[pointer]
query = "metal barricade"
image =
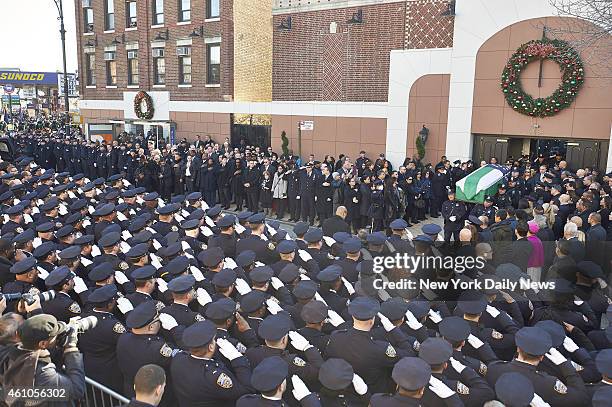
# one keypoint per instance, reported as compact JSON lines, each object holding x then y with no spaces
{"x":98,"y":395}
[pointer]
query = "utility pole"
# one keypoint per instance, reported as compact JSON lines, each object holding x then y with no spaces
{"x":60,"y":10}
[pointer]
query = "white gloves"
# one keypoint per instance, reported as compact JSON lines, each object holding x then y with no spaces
{"x":458,"y":366}
{"x":242,"y":286}
{"x":196,"y":273}
{"x":388,"y":325}
{"x":120,"y":277}
{"x":167,"y":321}
{"x":203,"y":297}
{"x":334,"y":319}
{"x":79,"y":285}
{"x":412,"y":322}
{"x":304,"y":255}
{"x":360,"y":386}
{"x":162,"y":286}
{"x":438,"y":387}
{"x":276,"y":283}
{"x":300,"y":390}
{"x":452,"y":218}
{"x":494,"y":312}
{"x":229,"y":263}
{"x":555,"y":356}
{"x":349,"y":287}
{"x":227,"y":349}
{"x":299,"y":342}
{"x":273,"y":306}
{"x":124,"y":305}
{"x":474,"y":341}
{"x":538,"y":402}
{"x":570,"y":345}
{"x":435,"y":316}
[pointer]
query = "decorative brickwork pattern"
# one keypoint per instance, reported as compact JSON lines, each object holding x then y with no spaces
{"x":426,"y":27}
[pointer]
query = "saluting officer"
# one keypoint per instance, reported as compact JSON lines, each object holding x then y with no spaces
{"x":62,"y":307}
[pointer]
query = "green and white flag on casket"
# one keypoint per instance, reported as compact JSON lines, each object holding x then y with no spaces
{"x":480,"y":183}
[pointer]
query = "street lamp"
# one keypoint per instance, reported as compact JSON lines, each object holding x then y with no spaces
{"x":60,"y":10}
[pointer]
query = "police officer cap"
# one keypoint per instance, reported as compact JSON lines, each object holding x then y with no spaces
{"x":474,"y":220}
{"x":199,"y":334}
{"x":64,"y":231}
{"x":376,"y":238}
{"x":140,"y":190}
{"x":194,"y":196}
{"x":141,"y":237}
{"x":336,"y":374}
{"x":341,"y":237}
{"x":533,"y":340}
{"x":87,"y":187}
{"x":435,"y":351}
{"x":514,"y":390}
{"x":274,"y":224}
{"x":24,"y":236}
{"x":224,"y":278}
{"x":252,"y":301}
{"x":256,"y":218}
{"x":394,"y":308}
{"x":129,"y":193}
{"x":137,"y":224}
{"x":168,"y":209}
{"x":101,"y":272}
{"x":104,"y":210}
{"x":431,"y":229}
{"x":85,"y":239}
{"x":300,"y":228}
{"x":556,"y":331}
{"x":44,"y":249}
{"x":112,"y":194}
{"x":14,"y":210}
{"x":226,"y":221}
{"x":177,"y":199}
{"x":269,"y":374}
{"x":363,"y":308}
{"x":274,"y":327}
{"x":563,"y":287}
{"x":314,"y":235}
{"x":142,"y":315}
{"x":190,"y":224}
{"x":39,"y":328}
{"x":472,"y":302}
{"x":23,"y":266}
{"x":122,"y":207}
{"x":244,"y":216}
{"x":182,"y":284}
{"x":103,"y":294}
{"x":314,"y":312}
{"x":112,"y":228}
{"x":511,"y":272}
{"x":45,"y":227}
{"x":115,"y":177}
{"x":411,"y":373}
{"x":73,"y":218}
{"x":455,"y":329}
{"x":170,"y":250}
{"x":261,"y":274}
{"x":489,"y":198}
{"x":47,"y":175}
{"x":398,"y":224}
{"x":590,"y":269}
{"x":423,"y":239}
{"x":71,"y":252}
{"x":58,"y":276}
{"x":178,"y":265}
{"x":197,"y":214}
{"x":137,"y":251}
{"x":352,"y":245}
{"x":144,"y":273}
{"x":279,"y":236}
{"x":603,"y":361}
{"x":98,"y":181}
{"x":601,"y":397}
{"x":289,"y":273}
{"x":330,"y":273}
{"x":221,"y":309}
{"x":305,"y":290}
{"x":286,"y":247}
{"x":47,"y":206}
{"x":151,"y":196}
{"x":245,"y":258}
{"x":214,"y":211}
{"x":211,"y":256}
{"x":109,"y":239}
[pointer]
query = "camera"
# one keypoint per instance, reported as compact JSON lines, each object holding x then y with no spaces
{"x":76,"y":326}
{"x":30,"y":298}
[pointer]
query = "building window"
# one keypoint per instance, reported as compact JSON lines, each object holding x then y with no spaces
{"x":109,"y":16}
{"x":159,"y":66}
{"x":111,"y":73}
{"x":88,"y":20}
{"x":158,"y":12}
{"x":90,"y":69}
{"x":213,"y":64}
{"x":130,"y":14}
{"x":184,"y":10}
{"x":133,"y":77}
{"x":212,"y":9}
{"x":184,"y":54}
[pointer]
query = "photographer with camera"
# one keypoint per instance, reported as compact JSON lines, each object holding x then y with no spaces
{"x":30,"y":366}
{"x":25,"y":273}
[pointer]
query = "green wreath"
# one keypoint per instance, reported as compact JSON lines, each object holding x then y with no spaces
{"x":140,"y":97}
{"x":572,"y":77}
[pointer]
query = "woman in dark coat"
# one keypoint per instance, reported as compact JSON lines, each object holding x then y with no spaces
{"x":365,"y":190}
{"x":392,"y":201}
{"x":352,"y":203}
{"x":208,"y":182}
{"x":376,"y":212}
{"x":167,"y":179}
{"x":265,"y":193}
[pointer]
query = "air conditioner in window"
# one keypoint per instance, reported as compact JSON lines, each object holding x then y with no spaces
{"x":109,"y":56}
{"x":183,"y":51}
{"x":86,"y":3}
{"x":157,"y":52}
{"x":132,"y":54}
{"x":133,"y":24}
{"x":90,"y":28}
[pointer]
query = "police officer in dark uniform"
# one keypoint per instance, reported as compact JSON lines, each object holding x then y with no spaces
{"x":62,"y":307}
{"x":306,"y":193}
{"x":502,"y":199}
{"x":453,"y":213}
{"x":314,"y":314}
{"x":226,"y":239}
{"x":398,"y":229}
{"x":323,"y":194}
{"x":25,"y":273}
{"x":485,"y":209}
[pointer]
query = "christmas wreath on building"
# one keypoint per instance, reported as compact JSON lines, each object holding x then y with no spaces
{"x":572,"y":77}
{"x":148,"y":102}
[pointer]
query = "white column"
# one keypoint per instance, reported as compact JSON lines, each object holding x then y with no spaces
{"x":609,"y":163}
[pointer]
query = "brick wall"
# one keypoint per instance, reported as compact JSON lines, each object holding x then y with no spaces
{"x":426,"y":27}
{"x":144,"y":35}
{"x":310,"y":63}
{"x":190,"y":124}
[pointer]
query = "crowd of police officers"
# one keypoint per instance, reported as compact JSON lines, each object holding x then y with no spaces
{"x":238,"y":311}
